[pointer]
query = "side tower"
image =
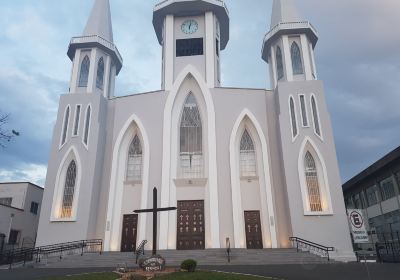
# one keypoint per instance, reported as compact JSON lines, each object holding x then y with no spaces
{"x":310,"y":167}
{"x":75,"y":165}
{"x":191,"y":32}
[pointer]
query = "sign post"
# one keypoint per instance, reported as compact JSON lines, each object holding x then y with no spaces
{"x":357,"y":224}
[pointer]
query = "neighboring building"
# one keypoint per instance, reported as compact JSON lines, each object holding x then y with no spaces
{"x":254,"y":165}
{"x":376,"y":190}
{"x":19,"y":214}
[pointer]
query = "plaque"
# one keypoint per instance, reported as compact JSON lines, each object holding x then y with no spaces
{"x":153,"y":263}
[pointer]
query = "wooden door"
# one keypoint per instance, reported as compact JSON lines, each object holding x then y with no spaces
{"x":190,"y":225}
{"x":129,"y":233}
{"x":253,"y":230}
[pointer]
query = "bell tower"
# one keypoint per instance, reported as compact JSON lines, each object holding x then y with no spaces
{"x":191,"y":32}
{"x":96,"y":61}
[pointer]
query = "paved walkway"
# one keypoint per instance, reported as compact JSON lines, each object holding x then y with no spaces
{"x":336,"y":271}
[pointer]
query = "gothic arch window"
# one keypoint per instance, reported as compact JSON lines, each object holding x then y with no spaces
{"x":135,"y":160}
{"x":297,"y":63}
{"x":100,"y":74}
{"x":312,"y":181}
{"x":191,"y":140}
{"x":65,"y":126}
{"x":87,"y":125}
{"x":84,"y":73}
{"x":293,"y":119}
{"x":279,"y":63}
{"x":69,"y":190}
{"x":315,"y":115}
{"x":248,"y":162}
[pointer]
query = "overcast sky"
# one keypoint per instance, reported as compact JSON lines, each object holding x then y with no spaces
{"x":357,"y":57}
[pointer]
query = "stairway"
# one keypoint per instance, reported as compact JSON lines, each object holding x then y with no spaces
{"x":174,"y":258}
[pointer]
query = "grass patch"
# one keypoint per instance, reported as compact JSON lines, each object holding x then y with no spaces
{"x":207,"y":275}
{"x":89,"y":276}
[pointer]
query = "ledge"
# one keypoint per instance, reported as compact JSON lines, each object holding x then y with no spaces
{"x":195,"y":182}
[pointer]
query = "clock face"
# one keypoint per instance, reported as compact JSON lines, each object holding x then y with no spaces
{"x":190,"y":26}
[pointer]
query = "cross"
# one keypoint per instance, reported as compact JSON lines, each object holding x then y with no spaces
{"x":154,"y":210}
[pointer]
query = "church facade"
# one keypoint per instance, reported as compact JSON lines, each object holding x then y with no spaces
{"x":256,"y":166}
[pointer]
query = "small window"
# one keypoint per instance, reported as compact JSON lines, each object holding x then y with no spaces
{"x":372,"y":195}
{"x":65,"y":127}
{"x":77,"y":118}
{"x":14,"y":237}
{"x":217,"y":47}
{"x":134,"y":165}
{"x":304,"y":116}
{"x":293,"y":119}
{"x":279,"y":63}
{"x":34,"y":207}
{"x":7,"y":201}
{"x":84,"y":73}
{"x":297,"y":63}
{"x":87,"y":125}
{"x":315,"y":116}
{"x":100,"y":74}
{"x":189,"y":47}
{"x":248,"y":163}
{"x":387,"y":188}
{"x":357,"y":201}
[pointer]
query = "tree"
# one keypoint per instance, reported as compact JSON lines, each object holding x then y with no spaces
{"x":6,"y":135}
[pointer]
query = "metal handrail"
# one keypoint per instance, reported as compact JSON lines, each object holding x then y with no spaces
{"x":228,"y":249}
{"x":312,"y":247}
{"x":140,"y":250}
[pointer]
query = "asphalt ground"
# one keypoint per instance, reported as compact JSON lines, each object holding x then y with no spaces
{"x":334,"y":271}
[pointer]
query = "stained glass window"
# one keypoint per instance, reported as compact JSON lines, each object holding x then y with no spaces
{"x":248,"y":163}
{"x":191,"y":140}
{"x":100,"y":74}
{"x":69,"y":189}
{"x":312,"y":181}
{"x":279,"y":63}
{"x":84,"y":73}
{"x":297,"y":63}
{"x":134,"y":165}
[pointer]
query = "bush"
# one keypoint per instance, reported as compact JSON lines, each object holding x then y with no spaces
{"x":189,"y":265}
{"x":136,"y":277}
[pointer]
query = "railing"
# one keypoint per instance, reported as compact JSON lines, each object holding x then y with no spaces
{"x":289,"y":25}
{"x":388,"y":252}
{"x":140,"y":250}
{"x":23,"y":255}
{"x":311,"y":247}
{"x":228,"y":249}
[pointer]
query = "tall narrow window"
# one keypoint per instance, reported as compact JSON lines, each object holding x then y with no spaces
{"x":304,"y":116}
{"x":293,"y":119}
{"x":279,"y":63}
{"x":313,"y":189}
{"x":69,"y":189}
{"x":134,"y":164}
{"x":248,"y":164}
{"x":191,"y":140}
{"x":77,"y":118}
{"x":100,"y":74}
{"x":84,"y":73}
{"x":297,"y":63}
{"x":87,"y":125}
{"x":65,"y":127}
{"x":315,"y":116}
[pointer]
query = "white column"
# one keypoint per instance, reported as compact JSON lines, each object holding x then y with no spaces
{"x":287,"y":58}
{"x":210,"y":50}
{"x":313,"y":61}
{"x":75,"y":71}
{"x":274,"y":79}
{"x":92,"y":76}
{"x":169,"y":52}
{"x":306,"y":57}
{"x":107,"y":73}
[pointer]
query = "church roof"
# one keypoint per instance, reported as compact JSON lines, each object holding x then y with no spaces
{"x":284,"y":11}
{"x":99,"y":22}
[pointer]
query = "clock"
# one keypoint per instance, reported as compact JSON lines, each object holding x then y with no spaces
{"x":190,"y":26}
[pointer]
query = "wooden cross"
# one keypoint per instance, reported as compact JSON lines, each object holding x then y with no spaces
{"x":155,"y":211}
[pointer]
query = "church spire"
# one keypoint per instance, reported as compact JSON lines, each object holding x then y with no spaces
{"x":99,"y":22}
{"x":284,"y":11}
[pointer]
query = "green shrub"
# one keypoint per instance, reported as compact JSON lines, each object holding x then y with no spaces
{"x":189,"y":265}
{"x":136,"y":277}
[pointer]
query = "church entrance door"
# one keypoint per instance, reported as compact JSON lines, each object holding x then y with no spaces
{"x":253,"y":230}
{"x":129,"y":233}
{"x":190,"y":225}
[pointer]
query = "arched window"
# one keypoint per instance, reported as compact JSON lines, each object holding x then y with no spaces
{"x":134,"y":164}
{"x":315,"y":116}
{"x":87,"y":125}
{"x":293,"y":118}
{"x":100,"y":74}
{"x":297,"y":64}
{"x":65,"y":126}
{"x":69,"y":189}
{"x":248,"y":164}
{"x":313,"y":189}
{"x":279,"y":63}
{"x":191,"y":140}
{"x":84,"y":73}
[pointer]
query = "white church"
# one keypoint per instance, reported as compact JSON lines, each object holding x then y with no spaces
{"x":256,"y":166}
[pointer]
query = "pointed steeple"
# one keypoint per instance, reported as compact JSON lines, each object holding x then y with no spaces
{"x":284,"y":11}
{"x":99,"y":22}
